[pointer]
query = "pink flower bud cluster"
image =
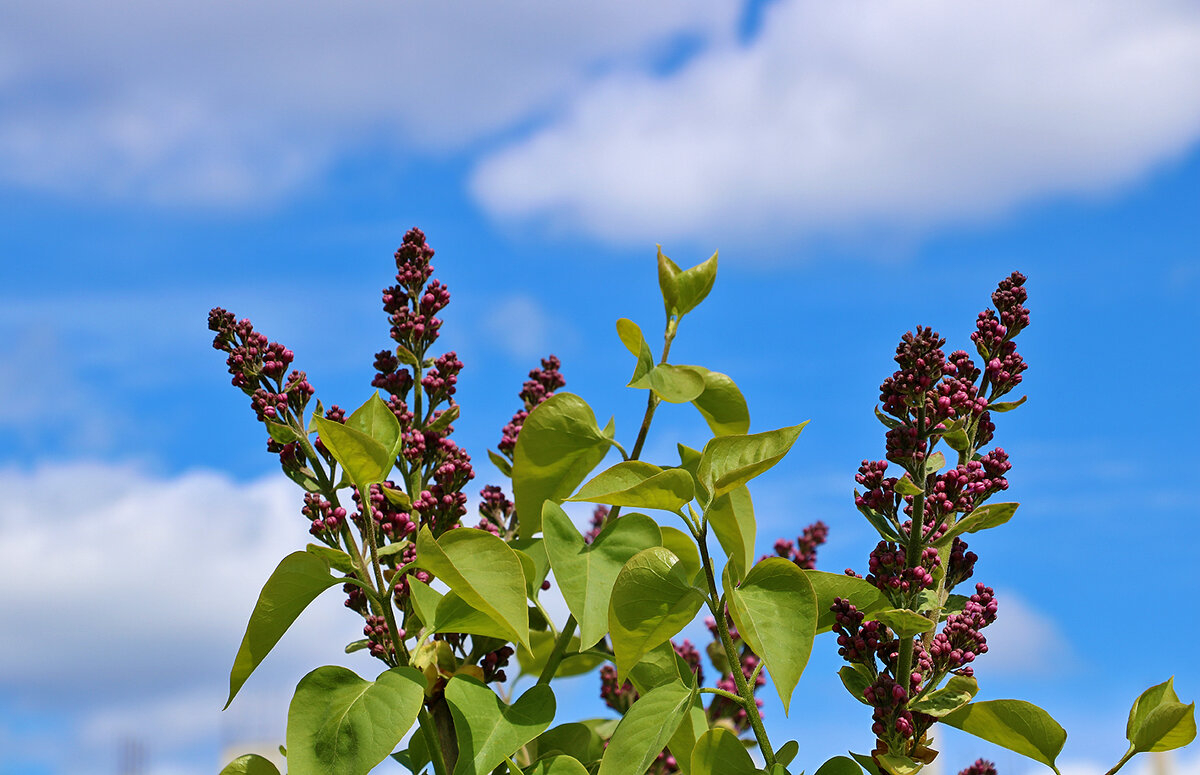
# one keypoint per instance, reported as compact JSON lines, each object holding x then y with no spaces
{"x":980,"y":767}
{"x":493,"y":664}
{"x":961,"y":640}
{"x":804,"y":551}
{"x":495,"y":510}
{"x":541,"y":385}
{"x":392,"y":522}
{"x":324,"y":518}
{"x":599,"y":516}
{"x":390,"y":377}
{"x":890,"y":573}
{"x":858,"y":643}
{"x":379,"y":642}
{"x":410,"y":304}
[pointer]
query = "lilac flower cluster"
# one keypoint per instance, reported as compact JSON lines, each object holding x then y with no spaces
{"x":541,"y":385}
{"x":929,"y":399}
{"x":980,"y":767}
{"x":804,"y":551}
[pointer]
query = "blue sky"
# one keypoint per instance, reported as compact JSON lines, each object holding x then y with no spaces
{"x":862,"y":168}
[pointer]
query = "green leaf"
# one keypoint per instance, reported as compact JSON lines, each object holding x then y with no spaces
{"x":375,"y":420}
{"x":396,"y":497}
{"x":886,"y":530}
{"x":903,"y":622}
{"x":586,"y":574}
{"x":488,"y":730}
{"x":502,"y":464}
{"x":730,"y":461}
{"x":683,"y":546}
{"x":775,"y":610}
{"x":897,"y":764}
{"x":722,"y":404}
{"x":443,"y":420}
{"x":934,"y":463}
{"x":533,"y":660}
{"x":450,"y":613}
{"x":957,"y":692}
{"x":284,"y":434}
{"x":366,"y":461}
{"x":906,"y":486}
{"x":982,"y":518}
{"x":673,"y":384}
{"x":661,"y":666}
{"x":407,"y":357}
{"x":1013,"y":724}
{"x":732,"y":519}
{"x":250,"y":764}
{"x":689,"y":460}
{"x":720,"y":752}
{"x":682,"y":290}
{"x":558,"y":447}
{"x":646,"y":728}
{"x":1158,"y":721}
{"x":855,"y":682}
{"x":1006,"y":406}
{"x":956,"y":437}
{"x":652,"y":600}
{"x":631,"y":337}
{"x":861,"y":594}
{"x":533,"y":550}
{"x":839,"y":765}
{"x":557,"y":765}
{"x":334,"y":558}
{"x":866,"y":762}
{"x":482,"y":570}
{"x":640,"y":485}
{"x":341,"y":724}
{"x":296,"y":582}
{"x":889,"y":422}
{"x":787,"y":752}
{"x":574,"y":739}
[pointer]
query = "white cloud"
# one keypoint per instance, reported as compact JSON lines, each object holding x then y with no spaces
{"x":225,"y":102}
{"x":868,"y":113}
{"x":521,"y":326}
{"x":126,"y":596}
{"x":1023,"y":641}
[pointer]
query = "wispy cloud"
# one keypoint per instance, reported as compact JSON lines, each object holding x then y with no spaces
{"x":866,"y":114}
{"x":228,"y":103}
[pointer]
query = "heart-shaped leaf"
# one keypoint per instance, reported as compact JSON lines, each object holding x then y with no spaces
{"x":640,"y":485}
{"x":983,"y":517}
{"x":645,"y":729}
{"x":250,"y":764}
{"x":557,"y":765}
{"x":775,"y":611}
{"x":575,"y":740}
{"x":722,"y":404}
{"x":586,"y":574}
{"x":488,"y":730}
{"x":1013,"y":724}
{"x":720,"y":752}
{"x":957,"y":692}
{"x":839,"y":765}
{"x":827,"y":586}
{"x":897,"y":764}
{"x":483,"y":571}
{"x":730,"y":461}
{"x":673,"y":384}
{"x":340,"y":724}
{"x":365,"y":460}
{"x":1158,"y":721}
{"x":631,"y":337}
{"x":732,"y":519}
{"x":296,"y":582}
{"x":558,"y":447}
{"x":652,"y":600}
{"x":683,"y":546}
{"x":376,"y":420}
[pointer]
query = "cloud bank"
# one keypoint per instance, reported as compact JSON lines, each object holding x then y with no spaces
{"x":233,"y":103}
{"x":878,"y":113}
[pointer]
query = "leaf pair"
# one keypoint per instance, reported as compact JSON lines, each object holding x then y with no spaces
{"x":366,"y":444}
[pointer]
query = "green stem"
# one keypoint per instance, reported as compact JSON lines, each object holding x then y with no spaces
{"x":1124,"y":759}
{"x":556,"y":654}
{"x":431,"y":742}
{"x":385,"y":603}
{"x":727,"y":695}
{"x":912,"y":556}
{"x":735,"y":662}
